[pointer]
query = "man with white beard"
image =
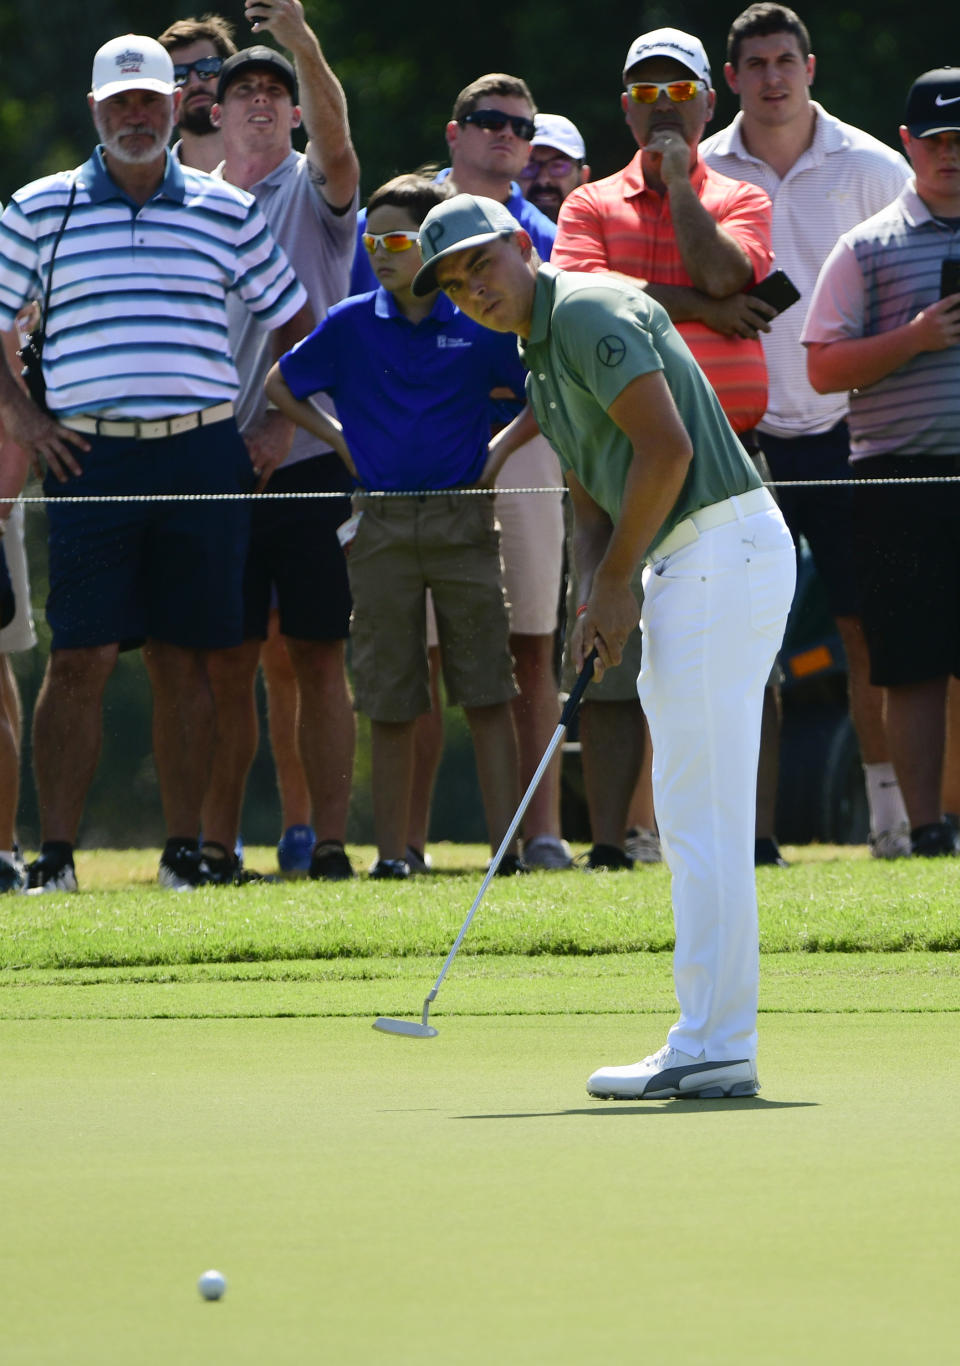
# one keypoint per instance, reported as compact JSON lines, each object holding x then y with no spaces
{"x":131,"y":257}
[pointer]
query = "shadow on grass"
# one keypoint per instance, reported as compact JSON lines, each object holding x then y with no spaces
{"x":676,"y":1105}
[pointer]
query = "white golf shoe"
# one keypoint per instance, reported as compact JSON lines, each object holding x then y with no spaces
{"x":670,"y":1073}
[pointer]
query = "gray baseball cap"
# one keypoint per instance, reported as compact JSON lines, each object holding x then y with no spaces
{"x":463,"y":221}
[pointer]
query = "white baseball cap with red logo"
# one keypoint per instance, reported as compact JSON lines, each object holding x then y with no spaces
{"x":132,"y":62}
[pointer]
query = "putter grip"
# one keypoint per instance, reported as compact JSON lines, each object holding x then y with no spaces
{"x":579,"y":688}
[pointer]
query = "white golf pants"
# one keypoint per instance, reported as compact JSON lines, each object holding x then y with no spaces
{"x":713,"y":619}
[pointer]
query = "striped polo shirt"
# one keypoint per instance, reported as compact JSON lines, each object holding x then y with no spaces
{"x":619,"y":224}
{"x":137,"y":325}
{"x":878,"y":277}
{"x":843,"y":177}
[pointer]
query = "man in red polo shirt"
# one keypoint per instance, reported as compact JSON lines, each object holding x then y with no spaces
{"x":697,"y":239}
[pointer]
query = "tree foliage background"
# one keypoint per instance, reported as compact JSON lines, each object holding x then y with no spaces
{"x":401,"y":69}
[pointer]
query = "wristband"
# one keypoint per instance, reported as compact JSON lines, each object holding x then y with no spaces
{"x":581,"y":609}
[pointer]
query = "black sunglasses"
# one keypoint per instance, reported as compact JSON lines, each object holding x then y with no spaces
{"x":205,"y":67}
{"x":492,"y":121}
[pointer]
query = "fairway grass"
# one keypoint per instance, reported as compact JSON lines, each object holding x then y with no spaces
{"x":192,"y":1081}
{"x":374,"y":1200}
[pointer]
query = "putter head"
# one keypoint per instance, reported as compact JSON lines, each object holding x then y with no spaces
{"x":411,"y":1028}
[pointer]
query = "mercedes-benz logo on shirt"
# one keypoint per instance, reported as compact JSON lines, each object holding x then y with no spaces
{"x":610,"y":351}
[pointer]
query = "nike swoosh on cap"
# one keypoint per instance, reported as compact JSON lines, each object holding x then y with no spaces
{"x":940,"y":101}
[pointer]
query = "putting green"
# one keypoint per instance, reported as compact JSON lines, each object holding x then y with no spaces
{"x":376,"y":1200}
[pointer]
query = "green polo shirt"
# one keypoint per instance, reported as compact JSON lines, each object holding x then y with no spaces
{"x":590,"y":336}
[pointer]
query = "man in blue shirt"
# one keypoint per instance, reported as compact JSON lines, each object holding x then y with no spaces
{"x":411,"y":378}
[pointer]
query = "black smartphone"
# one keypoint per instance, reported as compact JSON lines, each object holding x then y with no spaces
{"x":949,"y":278}
{"x":777,"y":290}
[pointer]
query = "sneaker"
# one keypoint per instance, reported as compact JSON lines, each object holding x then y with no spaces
{"x":766,"y":854}
{"x":183,"y":867}
{"x":604,"y":857}
{"x":13,"y":875}
{"x":642,"y":845}
{"x":418,"y":861}
{"x":387,"y":868}
{"x":295,"y":850}
{"x":510,"y":865}
{"x":670,"y":1073}
{"x":933,"y":840}
{"x":53,"y":871}
{"x":890,"y":844}
{"x":329,"y":862}
{"x":549,"y":852}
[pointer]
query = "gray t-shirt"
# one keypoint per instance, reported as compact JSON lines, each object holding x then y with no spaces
{"x":590,"y":336}
{"x":319,"y":244}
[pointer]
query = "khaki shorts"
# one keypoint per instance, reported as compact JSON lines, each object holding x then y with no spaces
{"x":532,"y":537}
{"x":20,"y":634}
{"x":404,"y":546}
{"x":616,"y":685}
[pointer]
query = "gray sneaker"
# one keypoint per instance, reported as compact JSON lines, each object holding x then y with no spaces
{"x":549,"y":852}
{"x":890,"y":844}
{"x":670,"y":1073}
{"x":643,"y":846}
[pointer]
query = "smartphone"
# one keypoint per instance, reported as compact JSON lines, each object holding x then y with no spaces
{"x":949,"y":278}
{"x":777,"y":290}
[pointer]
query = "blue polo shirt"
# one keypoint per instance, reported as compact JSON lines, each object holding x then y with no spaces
{"x":412,"y":398}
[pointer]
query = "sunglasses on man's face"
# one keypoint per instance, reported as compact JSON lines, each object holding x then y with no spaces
{"x":205,"y":67}
{"x":556,"y":166}
{"x":494,"y":121}
{"x":648,"y":92}
{"x":390,"y":241}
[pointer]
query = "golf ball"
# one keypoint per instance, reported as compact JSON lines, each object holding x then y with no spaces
{"x":212,"y":1285}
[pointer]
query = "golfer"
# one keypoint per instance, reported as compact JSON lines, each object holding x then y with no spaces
{"x":656,"y":474}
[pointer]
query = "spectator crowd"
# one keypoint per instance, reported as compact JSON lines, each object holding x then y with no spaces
{"x":200,"y":309}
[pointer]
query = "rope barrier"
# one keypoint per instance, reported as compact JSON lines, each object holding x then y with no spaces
{"x":41,"y":499}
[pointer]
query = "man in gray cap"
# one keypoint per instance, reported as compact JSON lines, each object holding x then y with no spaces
{"x":884,"y":325}
{"x":656,"y":475}
{"x":557,"y":165}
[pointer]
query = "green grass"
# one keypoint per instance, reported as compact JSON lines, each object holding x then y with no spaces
{"x":840,"y":905}
{"x":192,"y":1081}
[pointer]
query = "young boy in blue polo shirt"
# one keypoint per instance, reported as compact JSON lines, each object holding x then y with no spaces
{"x":411,"y":378}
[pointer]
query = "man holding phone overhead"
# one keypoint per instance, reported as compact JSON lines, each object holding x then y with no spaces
{"x":879,"y":329}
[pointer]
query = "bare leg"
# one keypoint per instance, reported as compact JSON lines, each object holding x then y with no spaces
{"x":768,"y":769}
{"x":392,"y":755}
{"x":427,"y":753}
{"x":536,"y":713}
{"x":183,"y":732}
{"x":611,"y":747}
{"x":67,"y":734}
{"x":283,"y":712}
{"x":495,"y":747}
{"x":9,"y":754}
{"x":232,"y":675}
{"x":951,"y":772}
{"x":916,"y":734}
{"x":866,"y":701}
{"x":327,"y":731}
{"x":641,"y":814}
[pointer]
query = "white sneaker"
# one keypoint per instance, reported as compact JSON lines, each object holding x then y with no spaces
{"x":643,"y":846}
{"x":891,"y":844}
{"x":670,"y":1073}
{"x":549,"y":852}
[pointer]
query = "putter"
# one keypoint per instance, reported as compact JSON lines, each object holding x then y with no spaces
{"x":424,"y":1030}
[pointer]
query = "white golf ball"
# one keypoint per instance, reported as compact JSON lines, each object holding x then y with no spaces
{"x":212,"y":1285}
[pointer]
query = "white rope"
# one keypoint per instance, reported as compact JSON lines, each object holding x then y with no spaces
{"x":42,"y":499}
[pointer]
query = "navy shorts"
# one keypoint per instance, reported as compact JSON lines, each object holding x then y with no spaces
{"x":908,"y":561}
{"x":127,"y":572}
{"x":823,"y":516}
{"x":295,"y":561}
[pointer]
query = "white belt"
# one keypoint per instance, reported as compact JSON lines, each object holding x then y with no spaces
{"x":732,"y":509}
{"x":148,"y":430}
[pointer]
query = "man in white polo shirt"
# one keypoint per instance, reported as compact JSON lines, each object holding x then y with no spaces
{"x":823,"y":177}
{"x":138,"y":256}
